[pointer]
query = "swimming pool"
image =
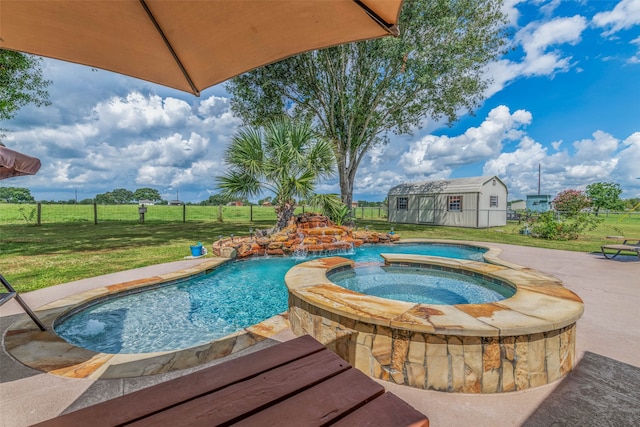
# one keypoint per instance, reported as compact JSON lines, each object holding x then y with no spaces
{"x":205,"y":308}
{"x":421,"y":286}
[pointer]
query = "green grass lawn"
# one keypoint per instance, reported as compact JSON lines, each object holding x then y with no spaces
{"x":35,"y":257}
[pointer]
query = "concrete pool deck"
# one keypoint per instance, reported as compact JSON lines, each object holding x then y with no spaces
{"x":602,"y":389}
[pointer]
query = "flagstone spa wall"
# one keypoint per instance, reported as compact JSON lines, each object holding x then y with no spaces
{"x":440,"y":362}
{"x":428,"y":346}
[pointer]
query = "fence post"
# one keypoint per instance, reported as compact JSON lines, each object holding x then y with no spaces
{"x":39,"y":213}
{"x":95,"y":214}
{"x":184,"y":213}
{"x":251,"y":213}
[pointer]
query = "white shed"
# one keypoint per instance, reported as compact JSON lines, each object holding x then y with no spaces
{"x":476,"y":202}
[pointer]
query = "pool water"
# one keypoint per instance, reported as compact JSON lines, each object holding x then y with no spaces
{"x":234,"y":296}
{"x":421,"y":286}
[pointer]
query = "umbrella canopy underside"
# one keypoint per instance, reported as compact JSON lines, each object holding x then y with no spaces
{"x":188,"y":45}
{"x":13,"y":163}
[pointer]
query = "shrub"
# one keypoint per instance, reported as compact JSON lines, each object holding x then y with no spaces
{"x":571,"y":202}
{"x":548,"y":226}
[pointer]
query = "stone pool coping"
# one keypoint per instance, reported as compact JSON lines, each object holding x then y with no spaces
{"x":524,"y":341}
{"x":540,"y":303}
{"x":47,"y":352}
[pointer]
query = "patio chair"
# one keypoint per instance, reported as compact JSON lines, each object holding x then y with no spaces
{"x":13,"y":294}
{"x":628,"y":245}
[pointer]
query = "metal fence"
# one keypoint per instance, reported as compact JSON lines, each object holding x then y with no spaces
{"x":43,"y":213}
{"x":520,"y":216}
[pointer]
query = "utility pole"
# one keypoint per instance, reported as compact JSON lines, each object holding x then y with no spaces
{"x":538,"y":179}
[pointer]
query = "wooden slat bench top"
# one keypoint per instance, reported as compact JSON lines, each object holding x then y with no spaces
{"x":295,"y":383}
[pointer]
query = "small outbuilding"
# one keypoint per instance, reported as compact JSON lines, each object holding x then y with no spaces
{"x":539,"y":202}
{"x":476,"y":202}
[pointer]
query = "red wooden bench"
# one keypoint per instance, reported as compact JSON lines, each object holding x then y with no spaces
{"x":295,"y":383}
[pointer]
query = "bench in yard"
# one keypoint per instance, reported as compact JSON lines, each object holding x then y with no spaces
{"x":631,"y":246}
{"x":295,"y":383}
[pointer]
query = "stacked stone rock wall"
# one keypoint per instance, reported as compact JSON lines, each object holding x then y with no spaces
{"x":450,"y":363}
{"x":306,"y":233}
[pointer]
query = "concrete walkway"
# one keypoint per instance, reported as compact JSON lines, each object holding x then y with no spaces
{"x":608,"y":333}
{"x":602,"y":390}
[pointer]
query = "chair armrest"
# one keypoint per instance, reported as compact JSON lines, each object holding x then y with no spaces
{"x":632,"y":242}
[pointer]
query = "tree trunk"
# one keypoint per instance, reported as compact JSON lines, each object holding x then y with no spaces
{"x":346,"y":188}
{"x":284,"y":213}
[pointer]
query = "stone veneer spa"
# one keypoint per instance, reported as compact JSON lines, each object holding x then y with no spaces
{"x":517,"y":343}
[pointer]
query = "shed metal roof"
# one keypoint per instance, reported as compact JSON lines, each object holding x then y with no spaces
{"x":455,"y":185}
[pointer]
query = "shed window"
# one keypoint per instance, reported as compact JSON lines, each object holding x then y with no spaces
{"x":493,"y":201}
{"x":402,"y":203}
{"x":454,"y":203}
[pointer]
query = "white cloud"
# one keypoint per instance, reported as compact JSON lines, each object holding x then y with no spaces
{"x":527,"y":155}
{"x":214,"y":106}
{"x":590,"y":172}
{"x":624,"y":15}
{"x":173,"y":150}
{"x":537,"y":39}
{"x":635,"y":59}
{"x":136,"y":113}
{"x":602,"y":157}
{"x":433,"y":154}
{"x":132,"y":141}
{"x":198,"y":173}
{"x":376,"y":154}
{"x":628,"y":167}
{"x":601,"y":146}
{"x":550,"y":7}
{"x":511,"y":11}
{"x":597,"y":159}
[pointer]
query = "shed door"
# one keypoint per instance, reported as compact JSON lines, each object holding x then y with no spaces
{"x":427,"y":212}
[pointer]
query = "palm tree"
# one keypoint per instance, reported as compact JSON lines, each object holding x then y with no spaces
{"x":284,"y":157}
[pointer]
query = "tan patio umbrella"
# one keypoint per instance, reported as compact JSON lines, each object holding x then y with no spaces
{"x":13,"y":163}
{"x":188,"y":45}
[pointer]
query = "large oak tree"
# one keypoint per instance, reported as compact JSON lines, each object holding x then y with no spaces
{"x":21,"y":83}
{"x":356,"y":94}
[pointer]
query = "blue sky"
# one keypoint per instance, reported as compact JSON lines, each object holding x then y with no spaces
{"x":566,"y":97}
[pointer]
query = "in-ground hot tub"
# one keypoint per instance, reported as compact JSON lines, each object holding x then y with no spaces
{"x":523,"y":341}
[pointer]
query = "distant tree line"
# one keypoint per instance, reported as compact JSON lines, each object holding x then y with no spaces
{"x":598,"y":196}
{"x":16,"y":195}
{"x":124,"y":196}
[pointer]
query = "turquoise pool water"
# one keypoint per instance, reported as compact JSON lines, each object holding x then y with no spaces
{"x":204,"y":308}
{"x":420,"y":285}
